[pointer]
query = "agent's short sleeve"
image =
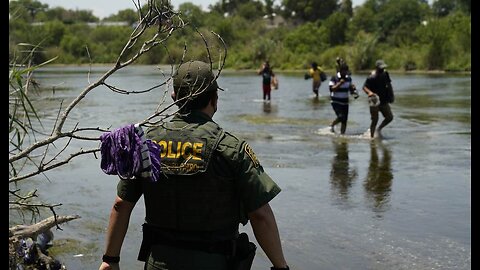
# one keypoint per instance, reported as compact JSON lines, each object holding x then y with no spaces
{"x":256,"y":187}
{"x":130,"y":190}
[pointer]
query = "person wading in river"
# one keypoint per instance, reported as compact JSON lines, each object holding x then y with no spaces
{"x":315,"y":72}
{"x":341,"y":86}
{"x":379,"y":83}
{"x":267,"y":77}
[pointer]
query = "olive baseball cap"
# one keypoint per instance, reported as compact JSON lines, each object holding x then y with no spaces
{"x":380,"y":64}
{"x":194,"y":77}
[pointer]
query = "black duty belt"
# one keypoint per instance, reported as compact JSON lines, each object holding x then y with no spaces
{"x":150,"y":238}
{"x":222,"y":247}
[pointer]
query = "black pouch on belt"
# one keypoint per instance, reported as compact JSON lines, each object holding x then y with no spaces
{"x":146,"y":243}
{"x":244,"y":253}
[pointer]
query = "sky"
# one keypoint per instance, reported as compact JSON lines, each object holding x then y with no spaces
{"x":105,"y":8}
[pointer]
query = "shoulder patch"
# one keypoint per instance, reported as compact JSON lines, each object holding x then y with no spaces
{"x":248,"y":150}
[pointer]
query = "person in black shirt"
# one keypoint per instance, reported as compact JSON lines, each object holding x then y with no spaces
{"x":379,"y":84}
{"x":267,"y":78}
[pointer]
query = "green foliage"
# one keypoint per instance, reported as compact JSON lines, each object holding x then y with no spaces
{"x":336,"y":26}
{"x":250,"y":10}
{"x":465,"y":6}
{"x":263,"y":48}
{"x":126,"y":15}
{"x":403,"y":58}
{"x":443,"y":7}
{"x":346,"y":7}
{"x":308,"y":10}
{"x":226,"y":29}
{"x":66,"y":16}
{"x":104,"y":44}
{"x":408,"y":34}
{"x":21,"y":110}
{"x":365,"y":20}
{"x":435,"y":36}
{"x":53,"y":31}
{"x":26,"y":9}
{"x":462,"y":34}
{"x":230,"y":6}
{"x":363,"y":51}
{"x":448,"y":42}
{"x":403,"y":14}
{"x":306,"y":38}
{"x":327,"y":60}
{"x":192,"y":14}
{"x":75,"y":45}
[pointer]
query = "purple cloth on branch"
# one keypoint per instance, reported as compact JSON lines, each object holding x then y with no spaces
{"x":154,"y":150}
{"x":121,"y":152}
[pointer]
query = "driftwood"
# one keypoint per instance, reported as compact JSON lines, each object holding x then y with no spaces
{"x":25,"y":231}
{"x":16,"y":233}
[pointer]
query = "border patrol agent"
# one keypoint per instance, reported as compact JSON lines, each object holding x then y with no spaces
{"x":211,"y":182}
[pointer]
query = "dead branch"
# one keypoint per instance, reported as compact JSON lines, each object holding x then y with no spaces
{"x":147,"y":46}
{"x":42,"y":168}
{"x":165,"y":22}
{"x":25,"y":231}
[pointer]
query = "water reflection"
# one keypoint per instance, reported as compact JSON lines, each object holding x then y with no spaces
{"x":267,"y":107}
{"x":319,"y":103}
{"x":378,"y":182}
{"x":341,"y":175}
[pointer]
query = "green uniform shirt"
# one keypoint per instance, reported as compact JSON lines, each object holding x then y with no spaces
{"x":234,"y":158}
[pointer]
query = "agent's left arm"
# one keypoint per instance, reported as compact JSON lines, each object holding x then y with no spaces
{"x":117,"y":229}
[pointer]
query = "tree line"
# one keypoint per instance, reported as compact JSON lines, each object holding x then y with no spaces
{"x":407,"y":34}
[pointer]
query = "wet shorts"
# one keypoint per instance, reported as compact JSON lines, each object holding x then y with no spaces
{"x":341,"y":111}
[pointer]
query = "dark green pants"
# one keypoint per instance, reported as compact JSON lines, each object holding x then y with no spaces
{"x":171,"y":258}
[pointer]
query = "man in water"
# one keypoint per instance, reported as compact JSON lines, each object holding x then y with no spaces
{"x":379,"y":83}
{"x":340,"y":87}
{"x":315,"y":73}
{"x":267,"y":77}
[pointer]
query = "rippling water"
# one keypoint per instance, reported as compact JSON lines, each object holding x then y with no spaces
{"x":347,"y":202}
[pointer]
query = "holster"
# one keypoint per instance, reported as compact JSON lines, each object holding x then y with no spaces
{"x":146,"y":244}
{"x":244,"y":253}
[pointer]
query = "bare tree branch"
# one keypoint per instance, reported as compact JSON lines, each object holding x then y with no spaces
{"x":42,"y":169}
{"x":156,"y":17}
{"x":23,"y":231}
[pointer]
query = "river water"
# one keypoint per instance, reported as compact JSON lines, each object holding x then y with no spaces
{"x":347,"y":202}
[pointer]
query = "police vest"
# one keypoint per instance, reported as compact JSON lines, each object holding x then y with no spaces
{"x":190,"y":196}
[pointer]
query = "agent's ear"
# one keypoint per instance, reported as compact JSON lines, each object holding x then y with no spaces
{"x":173,"y":95}
{"x":214,"y":99}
